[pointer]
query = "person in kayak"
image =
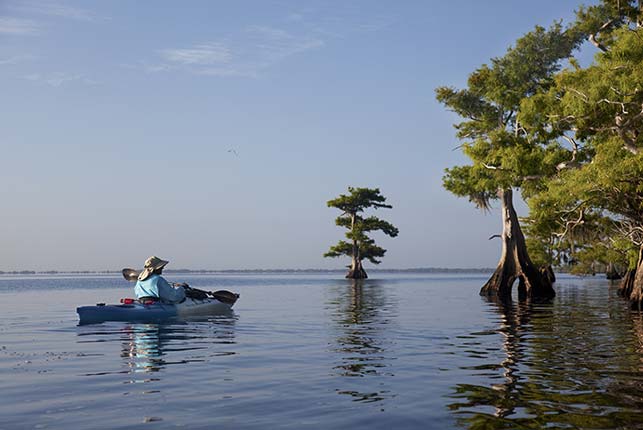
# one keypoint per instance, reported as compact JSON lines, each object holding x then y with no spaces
{"x":151,"y":284}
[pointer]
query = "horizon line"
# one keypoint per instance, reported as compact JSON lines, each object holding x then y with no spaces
{"x":265,"y":270}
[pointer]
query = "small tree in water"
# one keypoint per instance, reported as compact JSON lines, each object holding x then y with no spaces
{"x":359,"y":246}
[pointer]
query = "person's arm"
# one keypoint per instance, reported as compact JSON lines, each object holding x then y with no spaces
{"x":168,"y":293}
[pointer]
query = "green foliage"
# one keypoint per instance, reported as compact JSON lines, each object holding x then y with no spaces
{"x":600,"y":108}
{"x":360,"y":246}
{"x":606,"y":16}
{"x":502,"y":153}
{"x":358,"y":200}
{"x":599,"y":101}
{"x":342,"y":248}
{"x":563,"y":232}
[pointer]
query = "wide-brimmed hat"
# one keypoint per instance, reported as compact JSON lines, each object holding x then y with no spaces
{"x":151,"y":264}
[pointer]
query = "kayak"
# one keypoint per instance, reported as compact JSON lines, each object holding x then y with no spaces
{"x":134,"y":310}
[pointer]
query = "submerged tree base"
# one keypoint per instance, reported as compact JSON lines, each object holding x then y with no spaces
{"x":627,"y":284}
{"x":515,"y":262}
{"x":532,"y":283}
{"x":612,"y":273}
{"x":548,"y":272}
{"x":357,"y":271}
{"x":613,"y":276}
{"x":631,"y":286}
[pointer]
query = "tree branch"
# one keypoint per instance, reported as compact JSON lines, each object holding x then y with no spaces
{"x":569,"y":225}
{"x":571,"y":163}
{"x":583,"y":96}
{"x":492,"y":167}
{"x":614,"y":103}
{"x":630,"y":230}
{"x":628,"y":142}
{"x":594,"y":41}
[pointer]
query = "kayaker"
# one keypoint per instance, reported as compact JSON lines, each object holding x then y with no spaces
{"x":151,"y":284}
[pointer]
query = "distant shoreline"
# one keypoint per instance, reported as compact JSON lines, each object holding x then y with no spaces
{"x":206,"y":271}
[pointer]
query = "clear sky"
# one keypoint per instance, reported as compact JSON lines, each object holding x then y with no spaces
{"x":212,"y":133}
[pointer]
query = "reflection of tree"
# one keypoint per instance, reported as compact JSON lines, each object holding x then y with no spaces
{"x":361,"y":311}
{"x":629,"y":386}
{"x":574,"y":364}
{"x":502,"y":396}
{"x":637,"y":328}
{"x":512,"y":328}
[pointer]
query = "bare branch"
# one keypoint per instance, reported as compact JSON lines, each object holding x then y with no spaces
{"x":629,"y":143}
{"x":570,"y":225}
{"x":614,"y":103}
{"x":629,"y":229}
{"x":572,"y":163}
{"x":583,"y":96}
{"x":492,"y":167}
{"x":636,"y":90}
{"x":594,"y":41}
{"x":574,"y":145}
{"x":632,"y":119}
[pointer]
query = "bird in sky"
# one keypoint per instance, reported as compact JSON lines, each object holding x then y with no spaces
{"x":232,"y":151}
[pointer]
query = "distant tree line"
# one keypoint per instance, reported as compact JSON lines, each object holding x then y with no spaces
{"x":18,"y":272}
{"x":52,"y":272}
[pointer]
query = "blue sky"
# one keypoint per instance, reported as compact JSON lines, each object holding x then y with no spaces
{"x":212,"y":133}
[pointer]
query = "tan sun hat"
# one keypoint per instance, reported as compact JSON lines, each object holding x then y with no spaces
{"x":151,"y":264}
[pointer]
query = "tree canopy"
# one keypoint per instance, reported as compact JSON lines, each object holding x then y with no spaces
{"x":591,"y":210}
{"x":597,"y":204}
{"x":502,"y":154}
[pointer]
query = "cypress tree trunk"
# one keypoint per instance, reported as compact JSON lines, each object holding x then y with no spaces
{"x":356,"y":271}
{"x":515,"y":262}
{"x":636,"y":291}
{"x":612,"y":272}
{"x":627,"y":284}
{"x":548,"y":272}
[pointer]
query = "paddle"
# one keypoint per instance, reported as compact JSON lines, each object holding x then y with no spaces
{"x":223,"y":296}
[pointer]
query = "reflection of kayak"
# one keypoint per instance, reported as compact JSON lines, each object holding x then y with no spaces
{"x":133,"y":310}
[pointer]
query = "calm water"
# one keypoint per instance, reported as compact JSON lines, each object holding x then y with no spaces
{"x":311,"y":351}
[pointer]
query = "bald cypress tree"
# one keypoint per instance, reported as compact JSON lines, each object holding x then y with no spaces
{"x":503,"y":155}
{"x":359,"y":245}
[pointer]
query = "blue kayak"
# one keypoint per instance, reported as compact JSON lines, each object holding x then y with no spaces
{"x":154,"y":311}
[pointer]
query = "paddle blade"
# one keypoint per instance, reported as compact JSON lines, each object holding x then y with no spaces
{"x":225,"y":296}
{"x":131,"y":274}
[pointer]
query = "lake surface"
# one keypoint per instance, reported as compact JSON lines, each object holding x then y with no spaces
{"x":315,"y":351}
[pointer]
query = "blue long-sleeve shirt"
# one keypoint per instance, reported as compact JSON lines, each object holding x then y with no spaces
{"x":157,"y":286}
